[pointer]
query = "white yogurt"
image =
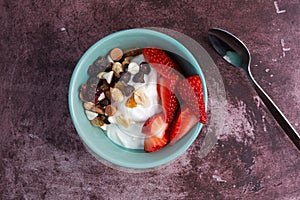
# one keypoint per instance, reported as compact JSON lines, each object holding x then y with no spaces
{"x":132,"y":136}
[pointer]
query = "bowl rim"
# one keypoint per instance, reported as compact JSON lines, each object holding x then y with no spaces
{"x":71,"y":100}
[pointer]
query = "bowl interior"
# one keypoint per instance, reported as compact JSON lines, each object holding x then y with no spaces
{"x":93,"y":137}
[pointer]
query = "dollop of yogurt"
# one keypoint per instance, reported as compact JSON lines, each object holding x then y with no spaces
{"x":132,"y":137}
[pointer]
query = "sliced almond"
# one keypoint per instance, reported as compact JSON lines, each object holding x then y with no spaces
{"x":88,"y":105}
{"x":123,"y":121}
{"x":141,"y":98}
{"x":116,"y":95}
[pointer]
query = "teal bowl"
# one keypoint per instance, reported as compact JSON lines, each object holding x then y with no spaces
{"x":93,"y":137}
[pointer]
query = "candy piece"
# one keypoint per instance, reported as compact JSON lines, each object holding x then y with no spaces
{"x":91,"y":115}
{"x":110,"y":110}
{"x":145,"y":67}
{"x":128,"y":90}
{"x":116,"y":95}
{"x":116,"y":54}
{"x":133,"y":68}
{"x":138,"y":78}
{"x":125,"y":77}
{"x":108,"y":76}
{"x":131,"y":103}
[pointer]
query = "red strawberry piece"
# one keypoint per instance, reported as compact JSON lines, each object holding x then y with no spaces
{"x":154,"y":125}
{"x":161,"y":62}
{"x":154,"y":143}
{"x":155,"y":130}
{"x":185,"y":120}
{"x":192,"y":94}
{"x":169,"y":100}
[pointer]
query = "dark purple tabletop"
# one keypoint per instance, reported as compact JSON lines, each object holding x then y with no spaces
{"x":42,"y":157}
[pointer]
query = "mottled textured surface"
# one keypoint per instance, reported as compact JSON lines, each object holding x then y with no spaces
{"x":41,"y":155}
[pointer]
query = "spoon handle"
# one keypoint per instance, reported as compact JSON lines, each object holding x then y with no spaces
{"x":278,"y":115}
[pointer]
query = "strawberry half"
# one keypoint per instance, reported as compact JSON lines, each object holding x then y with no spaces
{"x":185,"y":120}
{"x":155,"y":130}
{"x":162,"y":63}
{"x":192,"y":94}
{"x":169,"y":100}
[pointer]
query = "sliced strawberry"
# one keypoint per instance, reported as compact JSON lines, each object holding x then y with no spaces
{"x":185,"y":120}
{"x":155,"y":125}
{"x":154,"y":143}
{"x":156,"y":135}
{"x":192,"y":94}
{"x":162,"y":63}
{"x":169,"y":100}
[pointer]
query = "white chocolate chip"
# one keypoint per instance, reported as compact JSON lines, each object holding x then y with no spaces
{"x":101,"y":97}
{"x":133,"y":68}
{"x":91,"y":115}
{"x":104,"y":127}
{"x":108,"y":76}
{"x":123,"y":121}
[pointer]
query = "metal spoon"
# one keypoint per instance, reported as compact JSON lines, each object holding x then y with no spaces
{"x":236,"y":53}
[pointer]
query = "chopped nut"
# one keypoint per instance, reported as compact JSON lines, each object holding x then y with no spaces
{"x":123,"y":121}
{"x":97,"y":109}
{"x":131,"y":103}
{"x":110,"y":110}
{"x":88,"y":105}
{"x":126,"y":62}
{"x":120,"y":86}
{"x":141,"y":98}
{"x":101,"y":74}
{"x":117,"y":68}
{"x":97,"y":122}
{"x":116,"y":54}
{"x":116,"y":95}
{"x":133,"y":68}
{"x":91,"y":115}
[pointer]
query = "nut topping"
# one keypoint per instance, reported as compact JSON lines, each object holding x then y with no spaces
{"x":141,"y":98}
{"x":123,"y":121}
{"x":116,"y":95}
{"x":110,"y":110}
{"x":116,"y":54}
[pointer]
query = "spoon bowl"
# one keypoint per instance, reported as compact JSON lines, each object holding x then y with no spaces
{"x":235,"y":52}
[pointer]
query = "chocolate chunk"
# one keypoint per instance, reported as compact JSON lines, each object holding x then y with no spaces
{"x":125,"y":77}
{"x":139,"y":77}
{"x":93,"y":81}
{"x":128,"y":90}
{"x":145,"y":67}
{"x":104,"y":102}
{"x":93,"y":70}
{"x":101,"y":62}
